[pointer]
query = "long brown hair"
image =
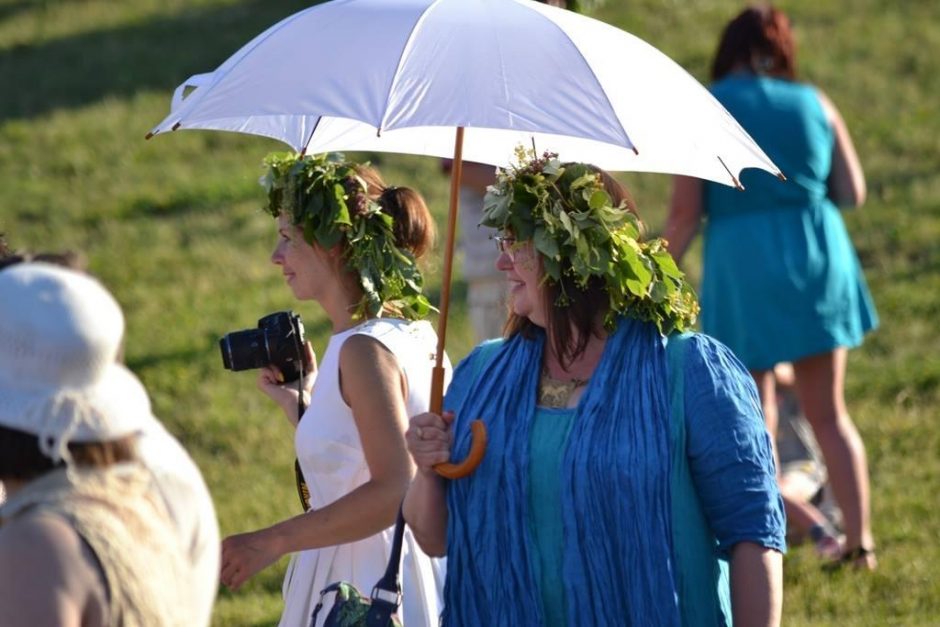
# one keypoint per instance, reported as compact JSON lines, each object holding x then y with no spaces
{"x":569,"y":327}
{"x":759,"y":38}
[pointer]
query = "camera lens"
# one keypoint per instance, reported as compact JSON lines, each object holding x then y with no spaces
{"x":245,"y":350}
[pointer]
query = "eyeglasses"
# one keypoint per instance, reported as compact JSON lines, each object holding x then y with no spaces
{"x":504,"y":244}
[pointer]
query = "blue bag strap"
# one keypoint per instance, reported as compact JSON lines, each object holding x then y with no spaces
{"x":675,"y":360}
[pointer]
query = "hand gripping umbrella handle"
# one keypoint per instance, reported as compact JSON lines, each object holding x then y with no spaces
{"x":474,"y":457}
{"x":477,"y":429}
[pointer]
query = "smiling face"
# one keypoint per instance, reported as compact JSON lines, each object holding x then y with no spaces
{"x":304,"y":266}
{"x":524,"y":275}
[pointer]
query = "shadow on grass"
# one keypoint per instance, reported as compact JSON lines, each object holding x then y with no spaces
{"x":9,"y":11}
{"x":182,"y":202}
{"x":157,"y":54}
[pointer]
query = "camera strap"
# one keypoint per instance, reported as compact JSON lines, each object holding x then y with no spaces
{"x":303,"y":492}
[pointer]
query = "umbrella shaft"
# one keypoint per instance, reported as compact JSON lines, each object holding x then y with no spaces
{"x":437,"y":384}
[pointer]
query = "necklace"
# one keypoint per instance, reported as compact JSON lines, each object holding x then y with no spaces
{"x":555,"y":393}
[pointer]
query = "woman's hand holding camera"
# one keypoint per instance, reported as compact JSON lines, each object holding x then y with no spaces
{"x":271,"y":382}
{"x":429,"y":440}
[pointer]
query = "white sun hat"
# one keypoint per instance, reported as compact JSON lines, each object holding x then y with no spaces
{"x":60,"y":333}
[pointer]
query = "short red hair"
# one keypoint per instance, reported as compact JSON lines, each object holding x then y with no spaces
{"x":759,"y":38}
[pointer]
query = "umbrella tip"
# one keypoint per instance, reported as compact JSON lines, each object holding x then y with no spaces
{"x":781,"y":176}
{"x":734,"y":179}
{"x":635,"y":151}
{"x":176,"y":126}
{"x":148,"y":135}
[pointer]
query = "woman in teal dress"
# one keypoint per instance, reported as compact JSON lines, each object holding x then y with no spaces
{"x":628,"y":478}
{"x":781,"y":281}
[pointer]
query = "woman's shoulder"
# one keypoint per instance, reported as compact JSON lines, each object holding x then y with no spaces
{"x":380,"y":328}
{"x":481,"y":353}
{"x":469,"y":368}
{"x":44,"y":547}
{"x":746,"y":83}
{"x":704,"y":357}
{"x":41,"y":531}
{"x":800,"y":93}
{"x":412,"y":344}
{"x":43,"y":538}
{"x":695,"y":342}
{"x":395,"y":334}
{"x":486,"y":347}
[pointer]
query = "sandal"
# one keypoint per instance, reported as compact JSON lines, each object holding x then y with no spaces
{"x":861,"y":558}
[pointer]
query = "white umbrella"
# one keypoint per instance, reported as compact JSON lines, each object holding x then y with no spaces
{"x":383,"y":75}
{"x":399,"y":76}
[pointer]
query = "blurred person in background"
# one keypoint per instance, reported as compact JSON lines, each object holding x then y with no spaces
{"x":355,"y":254}
{"x":781,"y":281}
{"x":486,"y":287}
{"x":86,"y":536}
{"x":178,"y":480}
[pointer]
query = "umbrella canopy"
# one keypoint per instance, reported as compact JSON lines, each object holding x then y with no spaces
{"x":375,"y":75}
{"x":401,"y":76}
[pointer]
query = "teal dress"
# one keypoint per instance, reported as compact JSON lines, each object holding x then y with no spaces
{"x":780,"y":280}
{"x":547,"y":444}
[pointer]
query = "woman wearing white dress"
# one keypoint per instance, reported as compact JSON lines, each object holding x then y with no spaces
{"x":350,"y":243}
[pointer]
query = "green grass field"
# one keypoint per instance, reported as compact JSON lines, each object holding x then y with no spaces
{"x":173,"y":227}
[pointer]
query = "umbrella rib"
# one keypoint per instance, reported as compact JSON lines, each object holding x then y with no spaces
{"x":737,"y":183}
{"x":401,"y":61}
{"x":303,"y":151}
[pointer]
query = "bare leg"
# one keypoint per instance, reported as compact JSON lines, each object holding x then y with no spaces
{"x":820,"y":385}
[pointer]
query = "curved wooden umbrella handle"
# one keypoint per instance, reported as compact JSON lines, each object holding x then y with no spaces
{"x":474,"y":457}
{"x":477,"y":431}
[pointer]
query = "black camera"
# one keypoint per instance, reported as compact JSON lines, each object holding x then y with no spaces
{"x":278,"y":341}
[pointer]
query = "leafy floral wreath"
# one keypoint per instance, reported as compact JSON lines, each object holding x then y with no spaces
{"x":325,"y":196}
{"x":565,"y":211}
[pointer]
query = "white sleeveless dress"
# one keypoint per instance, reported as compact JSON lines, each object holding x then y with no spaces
{"x":331,"y":457}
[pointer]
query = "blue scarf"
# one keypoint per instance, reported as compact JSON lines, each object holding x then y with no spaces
{"x":615,"y":492}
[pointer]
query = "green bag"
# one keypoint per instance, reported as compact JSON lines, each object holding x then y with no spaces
{"x":351,"y":608}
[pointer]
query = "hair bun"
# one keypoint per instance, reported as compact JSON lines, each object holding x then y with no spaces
{"x":413,"y":224}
